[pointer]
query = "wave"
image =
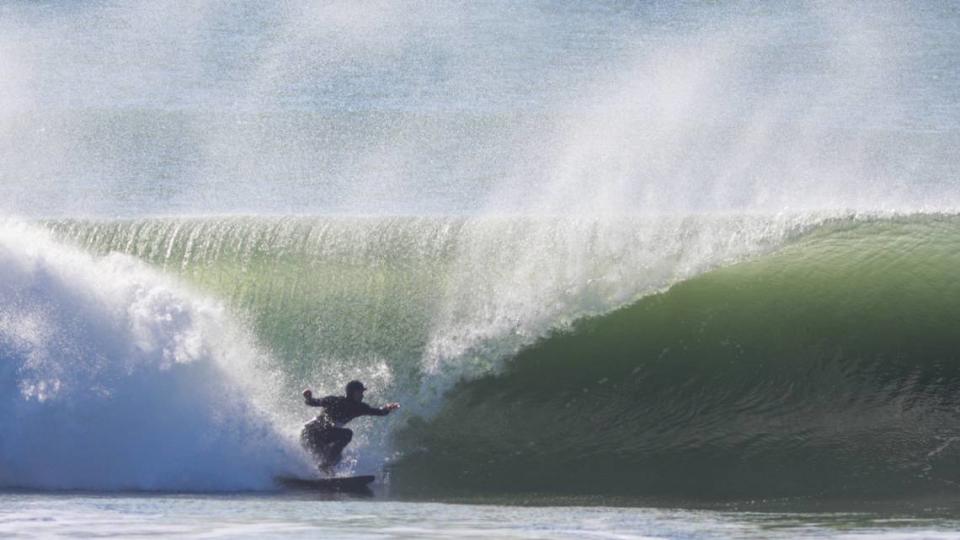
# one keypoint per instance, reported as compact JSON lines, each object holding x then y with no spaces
{"x":828,"y":368}
{"x":710,"y":356}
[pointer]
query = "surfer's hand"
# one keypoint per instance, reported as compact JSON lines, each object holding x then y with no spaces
{"x":391,"y":406}
{"x":307,"y":394}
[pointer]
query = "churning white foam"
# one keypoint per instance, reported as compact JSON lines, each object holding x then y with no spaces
{"x":113,"y":376}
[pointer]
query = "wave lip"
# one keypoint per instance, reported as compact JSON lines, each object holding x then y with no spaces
{"x":113,"y":376}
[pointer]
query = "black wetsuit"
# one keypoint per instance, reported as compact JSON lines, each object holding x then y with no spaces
{"x":325,"y":435}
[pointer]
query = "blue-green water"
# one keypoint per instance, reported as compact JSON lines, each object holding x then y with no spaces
{"x":632,"y":269}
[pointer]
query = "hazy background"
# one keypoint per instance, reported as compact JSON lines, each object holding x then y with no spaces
{"x":179,"y":107}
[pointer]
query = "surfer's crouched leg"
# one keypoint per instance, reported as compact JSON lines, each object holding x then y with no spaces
{"x":326,"y":444}
{"x":312,"y":440}
{"x":336,"y":439}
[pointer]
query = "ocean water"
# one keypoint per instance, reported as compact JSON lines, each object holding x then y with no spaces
{"x":262,"y":516}
{"x":634,"y":270}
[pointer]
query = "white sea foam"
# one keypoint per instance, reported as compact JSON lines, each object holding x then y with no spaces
{"x":113,"y":376}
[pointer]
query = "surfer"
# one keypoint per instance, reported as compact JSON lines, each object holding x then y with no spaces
{"x":324,"y":436}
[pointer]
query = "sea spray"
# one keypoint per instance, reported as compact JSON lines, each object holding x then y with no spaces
{"x":185,"y":108}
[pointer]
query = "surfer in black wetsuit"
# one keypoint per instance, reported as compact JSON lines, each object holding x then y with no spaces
{"x":324,"y":436}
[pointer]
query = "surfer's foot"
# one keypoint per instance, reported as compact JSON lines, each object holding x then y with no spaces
{"x":326,"y":468}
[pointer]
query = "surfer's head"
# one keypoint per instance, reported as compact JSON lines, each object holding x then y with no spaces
{"x":355,"y":390}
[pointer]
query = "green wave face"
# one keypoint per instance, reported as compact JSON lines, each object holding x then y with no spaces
{"x":831,"y":367}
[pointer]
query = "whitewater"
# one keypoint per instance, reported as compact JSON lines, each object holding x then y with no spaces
{"x":631,"y":270}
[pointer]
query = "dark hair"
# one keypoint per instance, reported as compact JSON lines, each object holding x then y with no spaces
{"x":353,"y":386}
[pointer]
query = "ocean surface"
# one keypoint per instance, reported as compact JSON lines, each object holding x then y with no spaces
{"x":633,"y":270}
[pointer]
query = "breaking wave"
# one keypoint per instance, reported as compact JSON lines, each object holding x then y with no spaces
{"x":700,"y":357}
{"x":113,"y":376}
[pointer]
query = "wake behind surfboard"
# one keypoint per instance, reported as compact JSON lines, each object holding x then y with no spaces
{"x":346,"y":484}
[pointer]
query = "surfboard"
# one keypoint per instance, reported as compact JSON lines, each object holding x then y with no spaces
{"x":343,"y":484}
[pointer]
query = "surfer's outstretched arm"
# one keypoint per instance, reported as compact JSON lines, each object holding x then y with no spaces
{"x":381,"y":411}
